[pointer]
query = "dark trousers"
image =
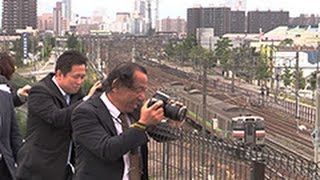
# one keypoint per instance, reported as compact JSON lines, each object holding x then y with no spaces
{"x":4,"y":171}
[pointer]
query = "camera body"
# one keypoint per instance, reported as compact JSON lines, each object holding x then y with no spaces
{"x":172,"y":111}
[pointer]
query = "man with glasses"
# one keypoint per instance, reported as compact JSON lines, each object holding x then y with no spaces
{"x":110,"y":130}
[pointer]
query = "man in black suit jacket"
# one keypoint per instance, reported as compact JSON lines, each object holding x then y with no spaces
{"x":44,"y":154}
{"x":10,"y":137}
{"x":103,"y":143}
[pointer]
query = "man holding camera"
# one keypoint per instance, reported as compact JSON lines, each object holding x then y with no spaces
{"x":110,"y":130}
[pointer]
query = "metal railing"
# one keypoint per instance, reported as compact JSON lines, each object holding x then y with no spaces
{"x":188,"y":154}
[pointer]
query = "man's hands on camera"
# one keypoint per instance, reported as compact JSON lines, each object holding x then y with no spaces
{"x":151,"y":115}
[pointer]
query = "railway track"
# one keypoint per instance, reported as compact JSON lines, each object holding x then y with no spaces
{"x":281,"y":130}
{"x":278,"y":124}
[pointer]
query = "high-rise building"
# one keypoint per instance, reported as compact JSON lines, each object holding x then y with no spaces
{"x":238,"y":22}
{"x":67,"y":10}
{"x":266,"y":20}
{"x":57,"y":19}
{"x":140,"y":8}
{"x":218,"y":18}
{"x":18,"y":14}
{"x":173,"y":25}
{"x":304,"y":20}
{"x":45,"y":22}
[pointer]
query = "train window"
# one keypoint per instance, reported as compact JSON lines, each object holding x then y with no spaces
{"x":236,"y":125}
{"x":250,"y":119}
{"x":260,"y":125}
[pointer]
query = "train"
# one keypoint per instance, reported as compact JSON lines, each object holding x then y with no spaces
{"x":248,"y":130}
{"x":225,"y":120}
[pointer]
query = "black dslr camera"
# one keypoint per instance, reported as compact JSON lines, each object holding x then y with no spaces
{"x":174,"y":112}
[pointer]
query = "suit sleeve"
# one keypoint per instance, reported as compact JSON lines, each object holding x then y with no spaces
{"x":16,"y":138}
{"x":47,"y":107}
{"x":17,"y":101}
{"x":90,"y":133}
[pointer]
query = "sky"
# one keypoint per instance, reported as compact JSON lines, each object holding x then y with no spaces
{"x":175,"y":8}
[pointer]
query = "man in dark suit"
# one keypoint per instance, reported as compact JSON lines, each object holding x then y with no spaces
{"x":10,"y":137}
{"x":44,"y":154}
{"x":105,"y":144}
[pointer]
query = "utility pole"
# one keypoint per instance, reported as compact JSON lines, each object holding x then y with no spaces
{"x":204,"y":86}
{"x":234,"y":59}
{"x":318,"y":55}
{"x":278,"y":71}
{"x":297,"y":83}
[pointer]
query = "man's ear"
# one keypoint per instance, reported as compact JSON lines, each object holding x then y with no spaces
{"x":59,"y":74}
{"x":115,"y":84}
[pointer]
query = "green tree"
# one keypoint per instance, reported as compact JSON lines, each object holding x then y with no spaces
{"x":48,"y":42}
{"x":181,"y":50}
{"x":313,"y":83}
{"x":263,"y":72}
{"x":287,"y":76}
{"x":299,"y":76}
{"x":18,"y":48}
{"x":73,"y":42}
{"x":286,"y":42}
{"x":202,"y":57}
{"x":223,"y":53}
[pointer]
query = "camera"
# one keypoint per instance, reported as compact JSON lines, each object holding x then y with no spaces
{"x":172,"y":111}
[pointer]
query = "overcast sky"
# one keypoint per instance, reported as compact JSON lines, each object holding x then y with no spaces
{"x":174,"y":8}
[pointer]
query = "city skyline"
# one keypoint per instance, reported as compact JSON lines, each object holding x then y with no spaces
{"x":178,"y":7}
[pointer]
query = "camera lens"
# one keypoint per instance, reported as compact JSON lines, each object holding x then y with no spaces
{"x":176,"y":113}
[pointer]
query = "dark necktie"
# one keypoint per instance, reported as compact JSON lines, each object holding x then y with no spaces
{"x":135,"y":161}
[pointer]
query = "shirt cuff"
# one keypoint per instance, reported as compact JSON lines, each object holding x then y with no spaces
{"x":85,"y":98}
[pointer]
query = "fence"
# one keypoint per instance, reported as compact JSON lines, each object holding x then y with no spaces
{"x":193,"y":155}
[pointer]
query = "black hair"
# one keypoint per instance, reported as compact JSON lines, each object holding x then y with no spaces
{"x":6,"y":65}
{"x":69,"y":59}
{"x":124,"y":74}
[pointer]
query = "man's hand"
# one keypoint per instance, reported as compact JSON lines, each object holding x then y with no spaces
{"x":24,"y":91}
{"x":93,"y":89}
{"x":151,"y":115}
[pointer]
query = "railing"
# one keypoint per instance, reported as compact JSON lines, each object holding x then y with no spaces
{"x":189,"y":154}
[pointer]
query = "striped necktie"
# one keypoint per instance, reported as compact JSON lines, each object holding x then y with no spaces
{"x":134,"y":155}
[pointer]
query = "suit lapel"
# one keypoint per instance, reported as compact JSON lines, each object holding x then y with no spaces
{"x":53,"y":89}
{"x":105,"y":117}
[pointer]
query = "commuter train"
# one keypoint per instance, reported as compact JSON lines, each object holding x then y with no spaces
{"x":248,"y":130}
{"x":224,"y":120}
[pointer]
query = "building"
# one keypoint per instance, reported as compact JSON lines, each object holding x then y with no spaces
{"x":218,"y":18}
{"x":67,"y":10}
{"x":304,"y":20}
{"x":266,"y":20}
{"x":238,"y":22}
{"x":57,"y":19}
{"x":18,"y":14}
{"x":45,"y":22}
{"x":177,"y":25}
{"x":123,"y":22}
{"x":140,"y":8}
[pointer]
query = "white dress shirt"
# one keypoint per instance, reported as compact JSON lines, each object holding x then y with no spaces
{"x":115,"y":114}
